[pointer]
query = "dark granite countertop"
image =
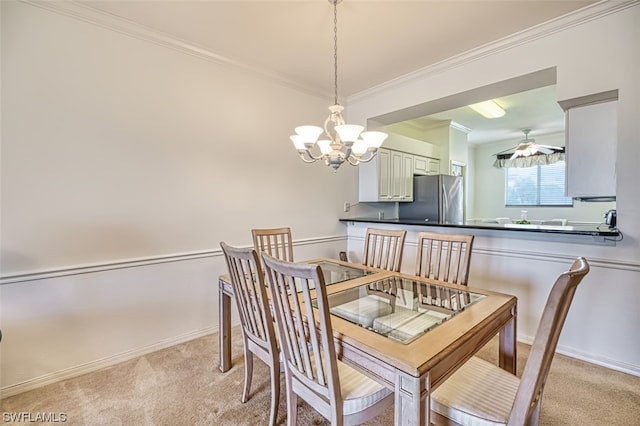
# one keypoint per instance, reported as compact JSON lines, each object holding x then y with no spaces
{"x":591,"y":230}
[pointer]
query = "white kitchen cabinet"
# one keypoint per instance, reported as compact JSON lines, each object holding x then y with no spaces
{"x":434,"y":166}
{"x":406,"y":179}
{"x":425,"y":165}
{"x":591,"y":144}
{"x":381,"y":190}
{"x":395,"y":181}
{"x":388,"y":177}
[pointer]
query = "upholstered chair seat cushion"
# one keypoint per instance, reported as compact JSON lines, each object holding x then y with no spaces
{"x":481,"y":392}
{"x":358,"y":391}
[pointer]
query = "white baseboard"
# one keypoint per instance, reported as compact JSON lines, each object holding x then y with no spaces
{"x":634,"y":370}
{"x":92,"y":366}
{"x":125,"y":356}
{"x":609,"y":363}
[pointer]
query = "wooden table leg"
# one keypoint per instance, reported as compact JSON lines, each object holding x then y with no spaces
{"x":224,"y":327}
{"x":412,"y":407}
{"x":507,"y":344}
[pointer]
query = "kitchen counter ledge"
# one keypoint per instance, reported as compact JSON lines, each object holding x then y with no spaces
{"x":601,"y":231}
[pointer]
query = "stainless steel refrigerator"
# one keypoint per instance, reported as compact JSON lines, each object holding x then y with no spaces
{"x":436,"y":198}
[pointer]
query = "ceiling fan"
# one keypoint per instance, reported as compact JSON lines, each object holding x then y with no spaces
{"x":528,"y":146}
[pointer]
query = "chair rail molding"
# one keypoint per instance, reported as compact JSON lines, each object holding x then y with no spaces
{"x":619,"y":264}
{"x":138,"y":262}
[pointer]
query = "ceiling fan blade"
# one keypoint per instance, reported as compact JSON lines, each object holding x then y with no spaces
{"x":545,"y":150}
{"x":552,"y":148}
{"x":506,"y":150}
{"x":515,"y":155}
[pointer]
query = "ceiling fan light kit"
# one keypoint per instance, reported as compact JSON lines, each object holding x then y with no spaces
{"x":528,"y":154}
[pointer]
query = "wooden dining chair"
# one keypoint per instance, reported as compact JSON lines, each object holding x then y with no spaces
{"x":258,"y":330}
{"x":340,"y":393}
{"x":383,"y":248}
{"x":444,"y":257}
{"x":482,"y":393}
{"x":277,"y":242}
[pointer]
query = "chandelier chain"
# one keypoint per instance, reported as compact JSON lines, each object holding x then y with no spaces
{"x":344,"y":143}
{"x":335,"y":51}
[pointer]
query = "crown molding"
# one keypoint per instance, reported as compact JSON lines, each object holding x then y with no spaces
{"x":460,"y":127}
{"x":572,"y":19}
{"x":91,"y":15}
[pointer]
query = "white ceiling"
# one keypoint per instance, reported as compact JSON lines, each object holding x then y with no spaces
{"x":378,"y":40}
{"x":535,"y":109}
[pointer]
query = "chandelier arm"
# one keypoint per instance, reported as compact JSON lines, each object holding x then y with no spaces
{"x":308,"y":157}
{"x":359,"y":160}
{"x":353,"y":163}
{"x":319,"y":157}
{"x":302,"y":157}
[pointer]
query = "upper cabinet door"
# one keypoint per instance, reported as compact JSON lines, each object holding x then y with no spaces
{"x":397,"y":182}
{"x":591,"y":145}
{"x":388,"y":177}
{"x":407,"y":177}
{"x":425,"y":165}
{"x":385,"y":177}
{"x":420,"y":165}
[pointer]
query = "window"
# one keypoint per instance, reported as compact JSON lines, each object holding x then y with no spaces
{"x":542,"y":185}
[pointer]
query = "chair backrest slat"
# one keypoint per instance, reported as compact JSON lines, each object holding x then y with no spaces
{"x":276,"y":242}
{"x":309,"y":353}
{"x":250,"y":294}
{"x":444,"y":257}
{"x":383,"y":248}
{"x":545,"y":343}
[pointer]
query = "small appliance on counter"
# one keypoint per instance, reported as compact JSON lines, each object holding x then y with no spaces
{"x":437,"y":199}
{"x":611,"y":218}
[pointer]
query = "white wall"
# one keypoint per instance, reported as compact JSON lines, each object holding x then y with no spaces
{"x":593,"y":51}
{"x":125,"y":161}
{"x":440,"y":136}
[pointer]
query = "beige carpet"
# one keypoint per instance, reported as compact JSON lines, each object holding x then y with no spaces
{"x":182,"y":385}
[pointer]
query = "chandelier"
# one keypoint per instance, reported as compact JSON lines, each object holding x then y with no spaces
{"x":343,"y":142}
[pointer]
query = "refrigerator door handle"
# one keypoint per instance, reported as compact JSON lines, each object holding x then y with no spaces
{"x":445,"y":205}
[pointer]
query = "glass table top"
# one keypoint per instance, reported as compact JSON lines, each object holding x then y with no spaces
{"x":399,"y":308}
{"x":335,"y":272}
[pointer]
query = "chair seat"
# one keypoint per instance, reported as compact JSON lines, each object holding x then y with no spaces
{"x":478,"y":394}
{"x":358,"y":391}
{"x":364,"y":310}
{"x":405,"y":324}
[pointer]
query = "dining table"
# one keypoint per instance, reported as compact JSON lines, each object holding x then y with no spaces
{"x":407,"y":332}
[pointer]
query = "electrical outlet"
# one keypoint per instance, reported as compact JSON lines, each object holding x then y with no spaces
{"x":347,"y":206}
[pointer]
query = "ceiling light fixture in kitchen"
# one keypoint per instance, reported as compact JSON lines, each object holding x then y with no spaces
{"x":345,"y":142}
{"x":488,"y":109}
